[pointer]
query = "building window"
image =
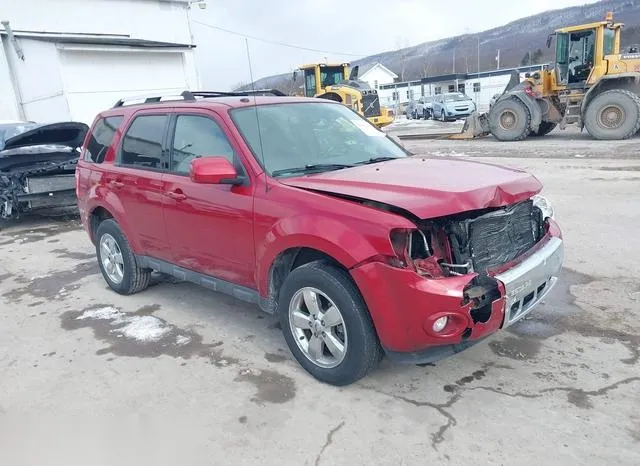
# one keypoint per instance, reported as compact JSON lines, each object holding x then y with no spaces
{"x":375,"y":84}
{"x":395,"y":95}
{"x":452,"y":87}
{"x":476,"y":87}
{"x":437,"y":90}
{"x":422,"y":91}
{"x":461,"y":88}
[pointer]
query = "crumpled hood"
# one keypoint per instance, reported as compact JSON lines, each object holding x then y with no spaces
{"x":69,"y":134}
{"x":426,"y":187}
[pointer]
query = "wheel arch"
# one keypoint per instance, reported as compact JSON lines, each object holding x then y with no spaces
{"x":629,"y":81}
{"x":114,"y":210}
{"x":532,"y":105}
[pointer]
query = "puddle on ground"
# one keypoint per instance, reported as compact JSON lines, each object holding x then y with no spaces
{"x":36,"y":234}
{"x":55,"y":285}
{"x":66,"y":254}
{"x":275,"y":357}
{"x":271,"y":386}
{"x":141,"y":334}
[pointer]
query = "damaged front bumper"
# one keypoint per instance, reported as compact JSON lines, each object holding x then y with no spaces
{"x":404,"y":305}
{"x":39,"y":188}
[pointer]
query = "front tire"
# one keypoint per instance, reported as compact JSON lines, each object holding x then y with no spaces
{"x":613,"y":115}
{"x":510,"y":120}
{"x":117,"y":262}
{"x":326,"y":324}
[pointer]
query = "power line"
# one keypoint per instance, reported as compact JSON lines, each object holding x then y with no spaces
{"x":283,"y":44}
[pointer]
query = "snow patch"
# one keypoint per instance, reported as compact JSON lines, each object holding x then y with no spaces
{"x":182,"y":340}
{"x":103,"y":313}
{"x":144,"y":328}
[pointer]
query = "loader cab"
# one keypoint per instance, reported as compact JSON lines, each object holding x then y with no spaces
{"x":575,"y":54}
{"x":581,"y":51}
{"x":318,"y":77}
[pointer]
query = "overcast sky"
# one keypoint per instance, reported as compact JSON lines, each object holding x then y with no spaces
{"x":346,"y":29}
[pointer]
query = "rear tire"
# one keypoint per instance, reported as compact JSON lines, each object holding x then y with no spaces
{"x":510,"y":120}
{"x":545,"y":128}
{"x":123,"y":275}
{"x":613,"y":115}
{"x":333,"y":288}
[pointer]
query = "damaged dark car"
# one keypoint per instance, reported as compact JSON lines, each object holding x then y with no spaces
{"x":37,"y":166}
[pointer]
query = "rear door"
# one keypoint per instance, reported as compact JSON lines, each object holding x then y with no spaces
{"x":136,"y":180}
{"x":209,"y":227}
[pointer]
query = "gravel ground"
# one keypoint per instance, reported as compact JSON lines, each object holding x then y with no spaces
{"x":182,"y":375}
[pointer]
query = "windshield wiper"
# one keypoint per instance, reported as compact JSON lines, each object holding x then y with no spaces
{"x":376,"y":160}
{"x":312,"y":168}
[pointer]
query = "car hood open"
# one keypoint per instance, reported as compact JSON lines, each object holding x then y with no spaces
{"x":70,"y":134}
{"x":426,"y":187}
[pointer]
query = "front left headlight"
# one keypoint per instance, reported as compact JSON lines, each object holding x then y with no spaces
{"x":544,"y":205}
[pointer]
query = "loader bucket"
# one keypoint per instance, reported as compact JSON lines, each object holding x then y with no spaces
{"x":476,"y":125}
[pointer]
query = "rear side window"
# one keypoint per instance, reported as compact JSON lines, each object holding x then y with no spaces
{"x":101,"y":138}
{"x":197,"y":136}
{"x":142,"y":143}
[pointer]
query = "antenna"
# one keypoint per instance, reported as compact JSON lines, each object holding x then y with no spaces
{"x":255,"y":106}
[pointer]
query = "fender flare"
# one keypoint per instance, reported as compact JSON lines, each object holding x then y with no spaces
{"x":532,"y":104}
{"x":112,"y":204}
{"x":595,"y":90}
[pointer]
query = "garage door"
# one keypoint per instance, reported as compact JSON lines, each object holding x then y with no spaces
{"x":95,"y":80}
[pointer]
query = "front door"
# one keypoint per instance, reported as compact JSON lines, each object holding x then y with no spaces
{"x":136,"y":182}
{"x":209,"y":227}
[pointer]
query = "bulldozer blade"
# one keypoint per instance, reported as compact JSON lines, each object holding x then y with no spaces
{"x":475,"y":125}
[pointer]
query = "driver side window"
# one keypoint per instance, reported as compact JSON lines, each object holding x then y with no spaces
{"x":197,"y":136}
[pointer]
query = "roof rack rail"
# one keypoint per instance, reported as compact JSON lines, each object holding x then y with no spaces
{"x":193,"y":95}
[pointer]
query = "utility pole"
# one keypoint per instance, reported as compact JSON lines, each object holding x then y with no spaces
{"x":498,"y":60}
{"x":454,"y":60}
{"x":478,"y":55}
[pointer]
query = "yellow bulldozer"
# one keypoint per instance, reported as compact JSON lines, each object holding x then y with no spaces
{"x":592,"y":84}
{"x":336,"y":82}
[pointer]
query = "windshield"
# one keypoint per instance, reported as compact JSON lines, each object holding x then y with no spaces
{"x":305,"y":134}
{"x":455,"y":97}
{"x":331,"y":75}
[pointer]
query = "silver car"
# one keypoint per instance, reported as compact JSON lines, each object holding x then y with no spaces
{"x":452,"y":106}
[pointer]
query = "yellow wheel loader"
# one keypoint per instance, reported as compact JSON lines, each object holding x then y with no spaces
{"x":592,"y":84}
{"x":335,"y":82}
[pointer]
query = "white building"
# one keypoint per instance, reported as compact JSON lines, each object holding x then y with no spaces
{"x":70,"y":59}
{"x":376,"y":74}
{"x":481,"y":87}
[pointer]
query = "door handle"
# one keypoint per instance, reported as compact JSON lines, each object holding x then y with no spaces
{"x":116,"y":184}
{"x":176,"y":195}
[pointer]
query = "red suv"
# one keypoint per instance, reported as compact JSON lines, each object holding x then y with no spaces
{"x":303,"y":207}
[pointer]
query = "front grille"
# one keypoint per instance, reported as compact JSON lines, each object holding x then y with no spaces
{"x":371,"y":105}
{"x":501,"y":236}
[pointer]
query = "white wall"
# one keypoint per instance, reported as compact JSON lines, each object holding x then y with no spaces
{"x":8,"y":102}
{"x":377,"y":74}
{"x":62,"y":81}
{"x":143,"y":19}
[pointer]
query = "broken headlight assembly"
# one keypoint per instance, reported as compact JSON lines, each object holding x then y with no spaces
{"x":544,"y":205}
{"x":413,"y":251}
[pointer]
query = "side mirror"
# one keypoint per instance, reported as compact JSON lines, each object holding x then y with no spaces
{"x":213,"y":170}
{"x":549,"y":39}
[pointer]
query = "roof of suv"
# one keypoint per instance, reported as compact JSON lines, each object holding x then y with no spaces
{"x":236,"y":101}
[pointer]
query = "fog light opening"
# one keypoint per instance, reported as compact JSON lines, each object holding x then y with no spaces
{"x":440,"y":324}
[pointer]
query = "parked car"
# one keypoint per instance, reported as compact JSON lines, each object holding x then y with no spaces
{"x":452,"y":106}
{"x":304,"y":208}
{"x":37,"y":165}
{"x":415,"y":110}
{"x":427,"y":106}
